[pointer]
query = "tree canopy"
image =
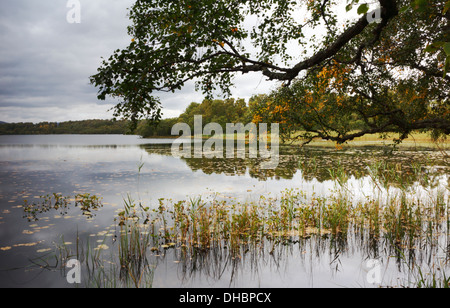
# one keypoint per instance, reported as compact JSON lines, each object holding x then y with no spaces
{"x":212,"y":111}
{"x":333,"y":60}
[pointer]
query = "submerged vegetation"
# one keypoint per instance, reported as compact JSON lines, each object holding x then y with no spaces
{"x":87,"y":203}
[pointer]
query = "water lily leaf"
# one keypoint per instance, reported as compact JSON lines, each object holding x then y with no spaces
{"x":43,"y":250}
{"x":101,"y":247}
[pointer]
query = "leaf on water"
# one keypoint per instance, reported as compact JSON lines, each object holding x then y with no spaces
{"x":43,"y":250}
{"x":102,"y":233}
{"x":26,"y":244}
{"x":101,"y":247}
{"x":41,"y":228}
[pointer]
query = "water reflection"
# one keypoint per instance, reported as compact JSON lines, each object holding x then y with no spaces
{"x":319,"y":163}
{"x":69,"y":166}
{"x":173,"y":259}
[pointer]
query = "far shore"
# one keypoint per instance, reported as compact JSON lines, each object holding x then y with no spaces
{"x":415,"y":140}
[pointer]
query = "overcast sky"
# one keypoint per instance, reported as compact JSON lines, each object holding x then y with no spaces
{"x":45,"y":61}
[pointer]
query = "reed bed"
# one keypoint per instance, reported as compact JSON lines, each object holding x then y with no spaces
{"x":202,"y":225}
{"x":206,"y":233}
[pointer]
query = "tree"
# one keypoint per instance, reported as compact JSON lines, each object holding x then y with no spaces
{"x":217,"y":111}
{"x":390,"y":73}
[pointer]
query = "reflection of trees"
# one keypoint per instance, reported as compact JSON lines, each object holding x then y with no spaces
{"x":403,"y":167}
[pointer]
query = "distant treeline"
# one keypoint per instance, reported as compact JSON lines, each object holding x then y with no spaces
{"x":217,"y":111}
{"x":69,"y":127}
{"x":212,"y":111}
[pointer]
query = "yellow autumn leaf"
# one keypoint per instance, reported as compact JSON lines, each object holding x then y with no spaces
{"x":101,"y":247}
{"x":43,"y":250}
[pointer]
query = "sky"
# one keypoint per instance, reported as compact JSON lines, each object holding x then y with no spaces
{"x":46,"y":61}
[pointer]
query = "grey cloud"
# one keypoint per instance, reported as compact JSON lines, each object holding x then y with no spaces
{"x":45,"y":62}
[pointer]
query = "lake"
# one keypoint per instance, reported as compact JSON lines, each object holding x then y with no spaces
{"x":34,"y":239}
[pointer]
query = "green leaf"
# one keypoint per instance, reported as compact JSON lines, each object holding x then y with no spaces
{"x":434,"y":47}
{"x":430,"y":48}
{"x":447,"y":48}
{"x":446,"y":7}
{"x":404,"y":9}
{"x":420,"y":5}
{"x":349,"y":7}
{"x":363,"y":9}
{"x":447,"y":66}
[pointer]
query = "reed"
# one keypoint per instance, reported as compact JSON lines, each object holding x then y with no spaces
{"x":202,"y":225}
{"x":210,"y":232}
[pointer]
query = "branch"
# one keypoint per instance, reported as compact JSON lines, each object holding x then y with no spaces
{"x":388,"y":11}
{"x":435,"y":123}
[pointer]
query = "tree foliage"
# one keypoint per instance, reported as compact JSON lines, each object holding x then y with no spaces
{"x":391,"y":74}
{"x":217,"y":111}
{"x":212,"y":111}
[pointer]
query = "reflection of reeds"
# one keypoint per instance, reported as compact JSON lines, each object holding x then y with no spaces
{"x":212,"y":236}
{"x":402,"y":221}
{"x":202,"y":225}
{"x":134,"y":241}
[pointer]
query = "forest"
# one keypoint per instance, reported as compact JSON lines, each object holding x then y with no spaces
{"x":212,"y":111}
{"x":261,"y":108}
{"x":69,"y":127}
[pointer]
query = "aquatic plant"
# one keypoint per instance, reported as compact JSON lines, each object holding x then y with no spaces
{"x":210,"y":234}
{"x":56,"y":201}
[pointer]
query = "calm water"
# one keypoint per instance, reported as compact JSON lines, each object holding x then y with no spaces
{"x":108,"y":167}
